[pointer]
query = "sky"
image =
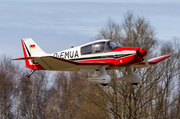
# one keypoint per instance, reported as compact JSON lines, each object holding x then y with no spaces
{"x":57,"y":25}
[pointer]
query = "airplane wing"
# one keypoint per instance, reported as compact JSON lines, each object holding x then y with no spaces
{"x":152,"y":61}
{"x":60,"y":64}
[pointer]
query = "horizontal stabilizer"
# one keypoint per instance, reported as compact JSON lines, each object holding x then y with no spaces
{"x":24,"y":58}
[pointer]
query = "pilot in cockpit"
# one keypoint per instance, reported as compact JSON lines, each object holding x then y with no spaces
{"x":98,"y":48}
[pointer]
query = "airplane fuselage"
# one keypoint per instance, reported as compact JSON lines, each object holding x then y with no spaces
{"x":118,"y":56}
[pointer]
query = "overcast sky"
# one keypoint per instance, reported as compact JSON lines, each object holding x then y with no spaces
{"x":56,"y":25}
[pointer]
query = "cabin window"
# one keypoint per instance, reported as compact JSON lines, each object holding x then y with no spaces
{"x":98,"y":47}
{"x":86,"y":49}
{"x":111,"y":45}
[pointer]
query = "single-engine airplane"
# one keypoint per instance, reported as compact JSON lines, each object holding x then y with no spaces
{"x":99,"y":55}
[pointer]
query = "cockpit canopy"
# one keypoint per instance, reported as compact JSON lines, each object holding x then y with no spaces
{"x":97,"y":47}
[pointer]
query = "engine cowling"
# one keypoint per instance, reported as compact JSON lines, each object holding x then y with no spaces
{"x":103,"y":79}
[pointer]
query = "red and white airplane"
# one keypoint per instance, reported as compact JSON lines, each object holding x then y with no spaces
{"x":99,"y":55}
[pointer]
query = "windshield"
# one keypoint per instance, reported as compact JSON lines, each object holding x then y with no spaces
{"x":111,"y":45}
{"x":98,"y":47}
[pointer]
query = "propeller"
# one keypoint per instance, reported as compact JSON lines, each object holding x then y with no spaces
{"x":142,"y":53}
{"x":146,"y":61}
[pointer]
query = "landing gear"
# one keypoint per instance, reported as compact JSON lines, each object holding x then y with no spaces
{"x":131,"y":77}
{"x":103,"y":78}
{"x":32,"y":71}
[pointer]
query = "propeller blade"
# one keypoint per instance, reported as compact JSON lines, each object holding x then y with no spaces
{"x":146,"y":61}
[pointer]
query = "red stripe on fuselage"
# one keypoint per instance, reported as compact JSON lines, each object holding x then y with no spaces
{"x":128,"y":60}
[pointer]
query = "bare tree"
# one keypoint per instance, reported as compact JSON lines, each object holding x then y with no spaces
{"x":8,"y":73}
{"x":34,"y":95}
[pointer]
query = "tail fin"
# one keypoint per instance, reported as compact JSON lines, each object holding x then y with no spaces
{"x":31,"y":49}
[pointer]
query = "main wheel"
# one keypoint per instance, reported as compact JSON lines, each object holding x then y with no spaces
{"x":104,"y":84}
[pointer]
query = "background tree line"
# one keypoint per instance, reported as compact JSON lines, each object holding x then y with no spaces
{"x":67,"y":95}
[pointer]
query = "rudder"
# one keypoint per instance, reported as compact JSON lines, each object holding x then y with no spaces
{"x":31,"y":49}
